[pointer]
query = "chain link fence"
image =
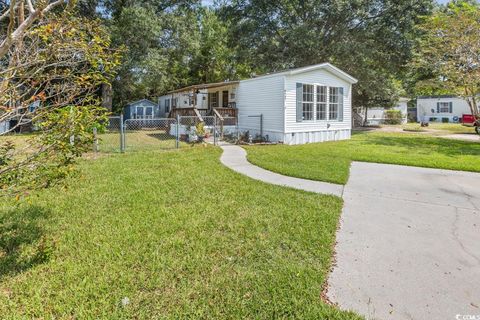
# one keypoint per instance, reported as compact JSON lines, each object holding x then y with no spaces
{"x":150,"y":134}
{"x":165,"y":133}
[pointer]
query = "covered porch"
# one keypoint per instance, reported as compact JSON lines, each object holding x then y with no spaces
{"x":214,"y":99}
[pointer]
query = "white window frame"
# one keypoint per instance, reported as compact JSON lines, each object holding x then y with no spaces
{"x":332,"y":93}
{"x":442,"y":105}
{"x":326,"y":102}
{"x":308,"y":100}
{"x":321,"y":102}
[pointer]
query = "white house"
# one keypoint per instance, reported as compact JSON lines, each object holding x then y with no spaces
{"x":377,"y":115}
{"x":441,"y":108}
{"x":308,"y":104}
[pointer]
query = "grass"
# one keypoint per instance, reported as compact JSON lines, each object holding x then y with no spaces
{"x":137,"y":140}
{"x":448,"y":128}
{"x":330,"y":161}
{"x":176,"y":233}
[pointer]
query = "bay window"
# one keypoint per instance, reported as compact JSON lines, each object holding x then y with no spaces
{"x":319,"y":103}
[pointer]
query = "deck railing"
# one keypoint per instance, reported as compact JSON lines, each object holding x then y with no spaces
{"x":227,"y":116}
{"x":185,"y":112}
{"x":227,"y":112}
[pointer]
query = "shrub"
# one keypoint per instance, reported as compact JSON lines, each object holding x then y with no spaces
{"x":393,"y":117}
{"x":432,"y":119}
{"x":445,"y":120}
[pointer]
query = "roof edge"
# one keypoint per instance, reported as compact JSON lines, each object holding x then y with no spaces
{"x":337,"y":71}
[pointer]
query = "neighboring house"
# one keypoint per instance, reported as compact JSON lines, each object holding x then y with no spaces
{"x":4,"y":126}
{"x":309,"y":104}
{"x":443,"y":108}
{"x":377,"y":115}
{"x":20,"y":120}
{"x":141,"y":109}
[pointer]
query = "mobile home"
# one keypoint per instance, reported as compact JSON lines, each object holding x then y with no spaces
{"x":303,"y":105}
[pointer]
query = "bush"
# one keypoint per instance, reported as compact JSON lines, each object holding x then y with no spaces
{"x":393,"y":117}
{"x":445,"y":120}
{"x":432,"y":119}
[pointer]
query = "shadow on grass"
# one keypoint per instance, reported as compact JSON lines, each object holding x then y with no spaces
{"x":446,"y":147}
{"x":23,"y":244}
{"x":162,"y":136}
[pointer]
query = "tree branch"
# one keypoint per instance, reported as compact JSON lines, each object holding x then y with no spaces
{"x":13,"y":37}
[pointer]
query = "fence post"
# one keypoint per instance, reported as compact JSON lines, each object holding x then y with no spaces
{"x":214,"y":130}
{"x":122,"y":135}
{"x":177,"y":132}
{"x":95,"y":140}
{"x":238,"y":130}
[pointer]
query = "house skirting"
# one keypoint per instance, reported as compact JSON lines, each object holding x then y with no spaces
{"x":316,"y":136}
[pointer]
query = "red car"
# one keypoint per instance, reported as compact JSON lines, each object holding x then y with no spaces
{"x":471,"y":121}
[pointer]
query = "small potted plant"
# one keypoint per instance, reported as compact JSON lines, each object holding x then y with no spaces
{"x":200,"y":131}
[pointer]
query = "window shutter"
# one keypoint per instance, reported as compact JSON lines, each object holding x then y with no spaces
{"x":299,"y":102}
{"x":438,"y":107}
{"x":340,"y":104}
{"x":450,"y":107}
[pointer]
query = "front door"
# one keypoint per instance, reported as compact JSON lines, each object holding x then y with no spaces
{"x":212,"y":100}
{"x":225,"y":99}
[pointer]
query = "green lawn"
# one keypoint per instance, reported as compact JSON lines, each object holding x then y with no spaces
{"x":448,"y":128}
{"x":177,"y":233}
{"x":330,"y":161}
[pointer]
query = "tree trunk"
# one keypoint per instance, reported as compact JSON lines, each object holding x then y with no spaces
{"x":107,"y":96}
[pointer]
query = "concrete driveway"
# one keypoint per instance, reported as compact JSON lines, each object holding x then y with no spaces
{"x":409,"y":244}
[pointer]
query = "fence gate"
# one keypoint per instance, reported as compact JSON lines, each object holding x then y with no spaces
{"x":109,"y":140}
{"x":211,"y":130}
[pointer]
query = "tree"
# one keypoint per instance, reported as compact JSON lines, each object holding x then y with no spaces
{"x":372,"y":40}
{"x":50,"y":80}
{"x":216,"y":59}
{"x":449,"y":52}
{"x":160,"y":46}
{"x":170,"y":44}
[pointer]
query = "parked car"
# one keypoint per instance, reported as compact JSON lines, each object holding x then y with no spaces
{"x":471,"y":120}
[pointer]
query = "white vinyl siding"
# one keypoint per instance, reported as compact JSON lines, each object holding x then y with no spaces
{"x":261,"y":96}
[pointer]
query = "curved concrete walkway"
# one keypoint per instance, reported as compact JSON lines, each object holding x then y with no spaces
{"x":235,"y":158}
